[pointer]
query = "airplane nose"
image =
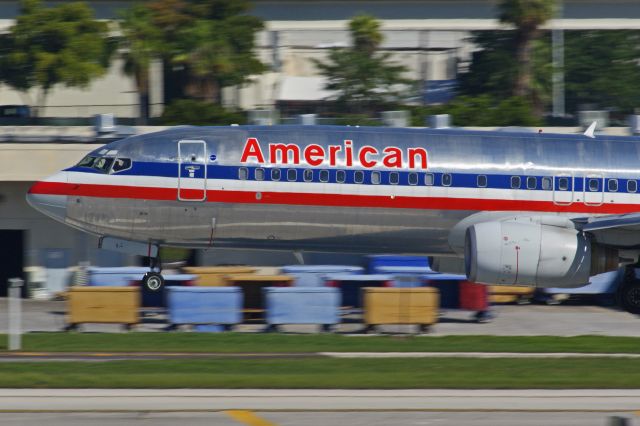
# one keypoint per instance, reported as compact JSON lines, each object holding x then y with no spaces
{"x":45,"y":197}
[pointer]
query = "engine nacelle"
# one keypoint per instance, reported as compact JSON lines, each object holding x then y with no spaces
{"x":533,"y":254}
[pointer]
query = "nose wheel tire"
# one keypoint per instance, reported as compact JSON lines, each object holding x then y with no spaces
{"x":153,"y":281}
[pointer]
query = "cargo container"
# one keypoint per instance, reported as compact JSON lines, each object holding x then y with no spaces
{"x":316,"y":275}
{"x":204,"y":305}
{"x":302,"y":305}
{"x":384,"y":306}
{"x":458,"y":293}
{"x":351,"y":286}
{"x":252,"y":286}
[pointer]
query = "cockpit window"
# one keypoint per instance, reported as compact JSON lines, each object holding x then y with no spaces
{"x":87,"y":161}
{"x":121,"y":164}
{"x":103,"y":164}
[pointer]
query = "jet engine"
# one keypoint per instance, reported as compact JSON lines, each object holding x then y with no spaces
{"x":533,"y":254}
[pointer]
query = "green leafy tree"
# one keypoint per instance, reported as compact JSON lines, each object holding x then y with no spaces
{"x":141,"y":44}
{"x":526,"y":16}
{"x":494,"y":69}
{"x":213,"y":40}
{"x":602,"y":68}
{"x":49,"y":46}
{"x":361,"y":76}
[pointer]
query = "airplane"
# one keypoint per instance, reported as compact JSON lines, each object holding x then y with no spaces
{"x":532,"y":209}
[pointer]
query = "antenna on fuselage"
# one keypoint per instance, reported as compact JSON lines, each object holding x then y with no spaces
{"x":590,"y":130}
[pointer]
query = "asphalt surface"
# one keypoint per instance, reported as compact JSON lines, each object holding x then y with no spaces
{"x":320,"y":419}
{"x":94,"y":407}
{"x":519,"y":320}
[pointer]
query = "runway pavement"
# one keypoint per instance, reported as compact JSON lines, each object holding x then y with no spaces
{"x":95,"y":407}
{"x":159,"y":400}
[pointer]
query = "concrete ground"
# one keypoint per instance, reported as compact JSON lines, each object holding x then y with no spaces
{"x":317,"y":407}
{"x":521,"y":320}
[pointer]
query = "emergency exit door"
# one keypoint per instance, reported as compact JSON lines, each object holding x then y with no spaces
{"x":192,"y":174}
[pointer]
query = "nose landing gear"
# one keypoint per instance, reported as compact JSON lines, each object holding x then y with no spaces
{"x":153,"y":280}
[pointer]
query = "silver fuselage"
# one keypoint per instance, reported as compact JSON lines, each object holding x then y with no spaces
{"x":198,"y":192}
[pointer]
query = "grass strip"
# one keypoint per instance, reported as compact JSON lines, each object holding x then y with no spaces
{"x":323,"y":373}
{"x":287,"y":343}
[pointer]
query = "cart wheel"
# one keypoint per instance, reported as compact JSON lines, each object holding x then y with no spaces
{"x":71,"y":327}
{"x":424,"y":328}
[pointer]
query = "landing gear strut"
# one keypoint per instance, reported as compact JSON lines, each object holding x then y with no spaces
{"x":153,"y":280}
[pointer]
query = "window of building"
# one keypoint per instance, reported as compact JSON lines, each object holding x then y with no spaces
{"x":394,"y":178}
{"x":413,"y":178}
{"x":429,"y":179}
{"x":516,"y":182}
{"x":482,"y":181}
{"x":358,"y":176}
{"x":243,"y":173}
{"x":292,"y":175}
{"x":563,"y":183}
{"x":307,"y":175}
{"x":341,"y":176}
{"x":259,"y":174}
{"x":275,"y":174}
{"x":594,"y":185}
{"x":612,"y":185}
{"x":324,"y":175}
{"x":632,"y":185}
{"x":375,"y":178}
{"x":532,"y":182}
{"x":446,"y":179}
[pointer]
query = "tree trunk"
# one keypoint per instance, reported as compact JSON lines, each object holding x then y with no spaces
{"x":522,"y":85}
{"x":42,"y":101}
{"x":142,"y":83}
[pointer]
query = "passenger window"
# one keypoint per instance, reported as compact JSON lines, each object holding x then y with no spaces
{"x":121,"y":164}
{"x":324,"y":175}
{"x":340,"y":176}
{"x":275,"y":174}
{"x":563,"y":184}
{"x":292,"y":175}
{"x":594,"y":185}
{"x":632,"y":186}
{"x":546,"y":183}
{"x":446,"y":179}
{"x":243,"y":173}
{"x":358,"y":176}
{"x":394,"y":178}
{"x":259,"y":174}
{"x":532,"y":182}
{"x":308,"y":175}
{"x":428,"y":179}
{"x":612,"y":185}
{"x":413,"y":178}
{"x":482,"y":181}
{"x":375,"y":178}
{"x":516,"y":182}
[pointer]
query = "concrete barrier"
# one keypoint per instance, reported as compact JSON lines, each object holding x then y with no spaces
{"x":302,"y":305}
{"x":383,"y":305}
{"x":204,"y":305}
{"x":113,"y":305}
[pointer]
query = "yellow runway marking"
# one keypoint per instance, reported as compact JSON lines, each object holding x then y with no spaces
{"x":248,"y":418}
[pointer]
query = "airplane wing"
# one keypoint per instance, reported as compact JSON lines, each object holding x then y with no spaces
{"x":629,"y":222}
{"x":621,"y":231}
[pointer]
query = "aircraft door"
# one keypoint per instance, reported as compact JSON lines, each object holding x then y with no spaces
{"x":192,"y":173}
{"x":563,"y":190}
{"x":593,"y":187}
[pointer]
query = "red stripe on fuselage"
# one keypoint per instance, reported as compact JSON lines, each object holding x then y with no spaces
{"x":329,"y":200}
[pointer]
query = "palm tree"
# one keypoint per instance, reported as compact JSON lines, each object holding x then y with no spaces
{"x":526,"y":16}
{"x":140,"y":46}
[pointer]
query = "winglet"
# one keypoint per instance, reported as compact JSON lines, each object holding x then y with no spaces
{"x":590,"y":130}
